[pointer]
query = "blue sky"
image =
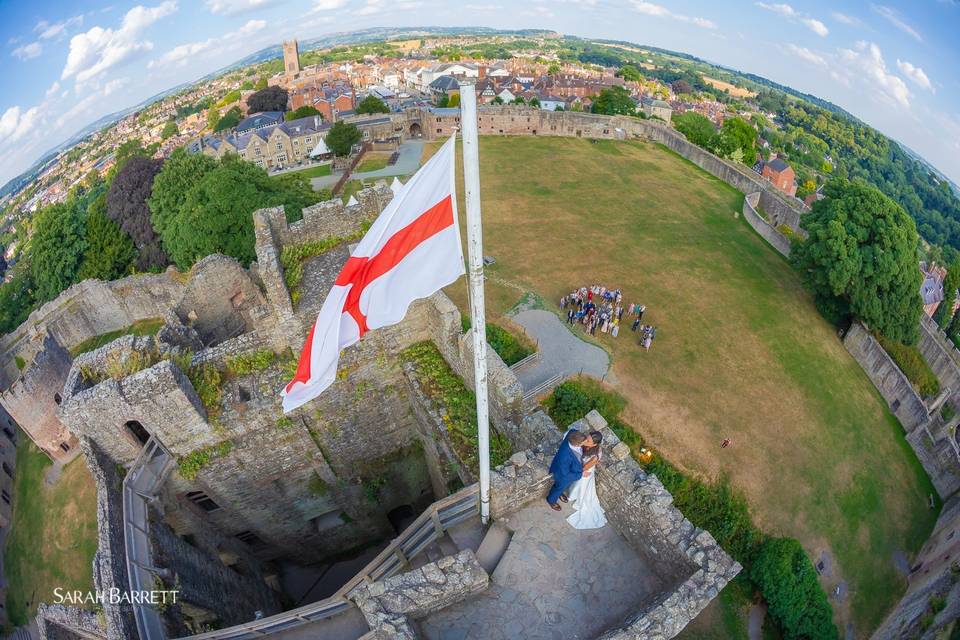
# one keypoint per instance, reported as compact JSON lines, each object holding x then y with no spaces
{"x":891,"y":63}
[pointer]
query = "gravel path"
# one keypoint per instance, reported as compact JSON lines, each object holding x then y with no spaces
{"x":561,"y":351}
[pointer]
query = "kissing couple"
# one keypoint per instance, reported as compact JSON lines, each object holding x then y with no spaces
{"x":573,"y":470}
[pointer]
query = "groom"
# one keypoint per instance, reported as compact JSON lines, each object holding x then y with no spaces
{"x":567,"y":466}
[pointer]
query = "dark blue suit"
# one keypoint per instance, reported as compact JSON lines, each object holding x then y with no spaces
{"x":566,"y":469}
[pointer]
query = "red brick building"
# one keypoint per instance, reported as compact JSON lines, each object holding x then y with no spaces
{"x":781,"y":175}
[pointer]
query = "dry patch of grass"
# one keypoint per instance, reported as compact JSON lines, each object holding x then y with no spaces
{"x":740,"y":352}
{"x":734,"y":90}
{"x":53,"y":536}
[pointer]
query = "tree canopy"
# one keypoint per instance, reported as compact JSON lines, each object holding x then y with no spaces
{"x":229,"y":120}
{"x":697,"y":128}
{"x":268,"y":99}
{"x":169,"y":129}
{"x":261,"y":84}
{"x":614,"y":101}
{"x":109,"y":253}
{"x":737,"y":134}
{"x":630,"y":72}
{"x":16,"y":297}
{"x":372,"y":104}
{"x":861,"y":259}
{"x":302,"y":112}
{"x":342,"y":136}
{"x":57,"y":248}
{"x":127,"y":206}
{"x":454,"y":100}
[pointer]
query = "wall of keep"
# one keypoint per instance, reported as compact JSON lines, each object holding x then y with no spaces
{"x":109,"y":562}
{"x":34,"y":397}
{"x":942,"y":356}
{"x":893,"y":385}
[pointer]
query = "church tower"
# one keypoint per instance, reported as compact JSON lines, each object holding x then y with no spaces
{"x":291,"y":58}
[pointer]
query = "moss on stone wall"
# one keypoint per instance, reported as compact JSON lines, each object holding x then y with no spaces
{"x":457,"y":404}
{"x":191,"y":464}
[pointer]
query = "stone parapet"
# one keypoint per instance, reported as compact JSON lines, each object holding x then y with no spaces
{"x":57,"y":621}
{"x":389,"y":605}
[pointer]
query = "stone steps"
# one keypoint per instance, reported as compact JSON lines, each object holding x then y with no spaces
{"x":493,"y":546}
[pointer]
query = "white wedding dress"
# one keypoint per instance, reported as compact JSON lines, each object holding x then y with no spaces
{"x":588,"y":514}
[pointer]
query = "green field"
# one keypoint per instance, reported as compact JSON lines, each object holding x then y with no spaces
{"x":316,"y":171}
{"x":740,"y":352}
{"x":53,"y":535}
{"x":372,"y":162}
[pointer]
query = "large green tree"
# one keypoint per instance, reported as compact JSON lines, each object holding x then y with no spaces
{"x":180,"y":173}
{"x":342,"y":136}
{"x":697,"y":128}
{"x":737,"y":134}
{"x":169,"y":129}
{"x":372,"y":104}
{"x":229,"y":120}
{"x":16,"y":297}
{"x":215,"y":214}
{"x":301,"y":112}
{"x":614,"y":101}
{"x":861,"y":259}
{"x":57,"y":248}
{"x":794,"y":598}
{"x":630,"y":72}
{"x":109,"y":253}
{"x":268,"y":99}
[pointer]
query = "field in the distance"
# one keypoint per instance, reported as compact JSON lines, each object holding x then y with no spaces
{"x":53,"y":535}
{"x":740,"y":351}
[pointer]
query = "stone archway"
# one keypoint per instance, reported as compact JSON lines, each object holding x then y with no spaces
{"x":415,"y":130}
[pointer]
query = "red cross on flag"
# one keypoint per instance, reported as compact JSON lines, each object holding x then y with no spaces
{"x":411,"y":251}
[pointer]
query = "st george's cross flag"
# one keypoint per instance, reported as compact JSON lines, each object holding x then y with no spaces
{"x":411,"y":251}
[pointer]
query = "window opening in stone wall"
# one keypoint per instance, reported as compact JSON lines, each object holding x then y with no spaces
{"x":328,"y":520}
{"x":5,"y":496}
{"x":249,"y":538}
{"x":9,"y":433}
{"x":895,"y":405}
{"x":57,"y":398}
{"x":7,"y":470}
{"x":202,"y":500}
{"x":64,"y":447}
{"x":138,"y":431}
{"x":244,"y":394}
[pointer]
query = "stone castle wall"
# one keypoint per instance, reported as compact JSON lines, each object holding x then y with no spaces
{"x":942,"y":356}
{"x":773,"y":237}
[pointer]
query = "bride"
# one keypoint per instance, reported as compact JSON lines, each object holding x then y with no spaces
{"x":588,"y":513}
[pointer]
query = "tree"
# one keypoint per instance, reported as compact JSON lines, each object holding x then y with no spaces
{"x":454,"y":100}
{"x":630,"y":73}
{"x":16,"y":297}
{"x":181,"y":172}
{"x":342,"y":136}
{"x":127,"y":206}
{"x":553,"y":69}
{"x":57,"y":247}
{"x":372,"y":104}
{"x":534,"y":102}
{"x":681,"y":87}
{"x":518,"y":100}
{"x":229,"y":98}
{"x":737,"y":133}
{"x":229,"y":120}
{"x":788,"y":582}
{"x":697,"y":128}
{"x":169,"y":129}
{"x":246,"y":86}
{"x":301,"y":112}
{"x":268,"y":99}
{"x":261,"y":84}
{"x":861,"y":258}
{"x":215,"y":214}
{"x":614,"y":101}
{"x":109,"y":252}
{"x":443,"y":100}
{"x":128,"y":149}
{"x":496,"y":100}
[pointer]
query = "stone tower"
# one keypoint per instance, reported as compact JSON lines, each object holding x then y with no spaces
{"x":291,"y":58}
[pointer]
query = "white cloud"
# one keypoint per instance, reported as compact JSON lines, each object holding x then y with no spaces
{"x":806,"y":54}
{"x":53,"y":88}
{"x":27,"y":51}
{"x":914,"y":73}
{"x":49,"y":30}
{"x":783,"y":9}
{"x":891,"y":16}
{"x":327,"y":5}
{"x":866,"y":64}
{"x":181,"y":54}
{"x":97,"y":50}
{"x":233,"y":7}
{"x":659,"y":11}
{"x":14,"y":123}
{"x":483,"y":7}
{"x":114,"y":85}
{"x":539,"y":12}
{"x":816,"y":26}
{"x":8,"y":121}
{"x":845,"y":19}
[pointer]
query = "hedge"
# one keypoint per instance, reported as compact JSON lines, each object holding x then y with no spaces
{"x":509,"y":347}
{"x":798,"y":605}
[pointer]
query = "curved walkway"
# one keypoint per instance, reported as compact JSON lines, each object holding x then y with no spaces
{"x":562,"y":352}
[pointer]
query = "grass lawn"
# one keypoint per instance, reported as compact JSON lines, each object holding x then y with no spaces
{"x":316,"y":171}
{"x":146,"y":327}
{"x":740,"y":352}
{"x":372,"y":162}
{"x":53,"y":535}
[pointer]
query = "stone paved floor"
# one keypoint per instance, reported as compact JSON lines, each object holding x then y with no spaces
{"x":561,"y":352}
{"x":553,"y":583}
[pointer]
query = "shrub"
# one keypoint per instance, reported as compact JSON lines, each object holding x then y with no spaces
{"x":247,"y":363}
{"x":316,"y":486}
{"x":191,"y":464}
{"x":788,"y":582}
{"x":509,"y":347}
{"x":293,"y":257}
{"x":912,"y":364}
{"x":206,"y":381}
{"x":21,"y":363}
{"x":574,"y":399}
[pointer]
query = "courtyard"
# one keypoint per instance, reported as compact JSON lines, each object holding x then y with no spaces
{"x":741,"y":352}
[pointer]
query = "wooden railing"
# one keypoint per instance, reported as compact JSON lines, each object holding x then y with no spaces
{"x":432,"y":524}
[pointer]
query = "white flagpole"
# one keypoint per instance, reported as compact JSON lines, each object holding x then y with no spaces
{"x":471,"y":180}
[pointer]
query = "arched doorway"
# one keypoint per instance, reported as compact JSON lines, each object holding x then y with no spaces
{"x":415,"y":130}
{"x":401,"y":517}
{"x":138,"y":431}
